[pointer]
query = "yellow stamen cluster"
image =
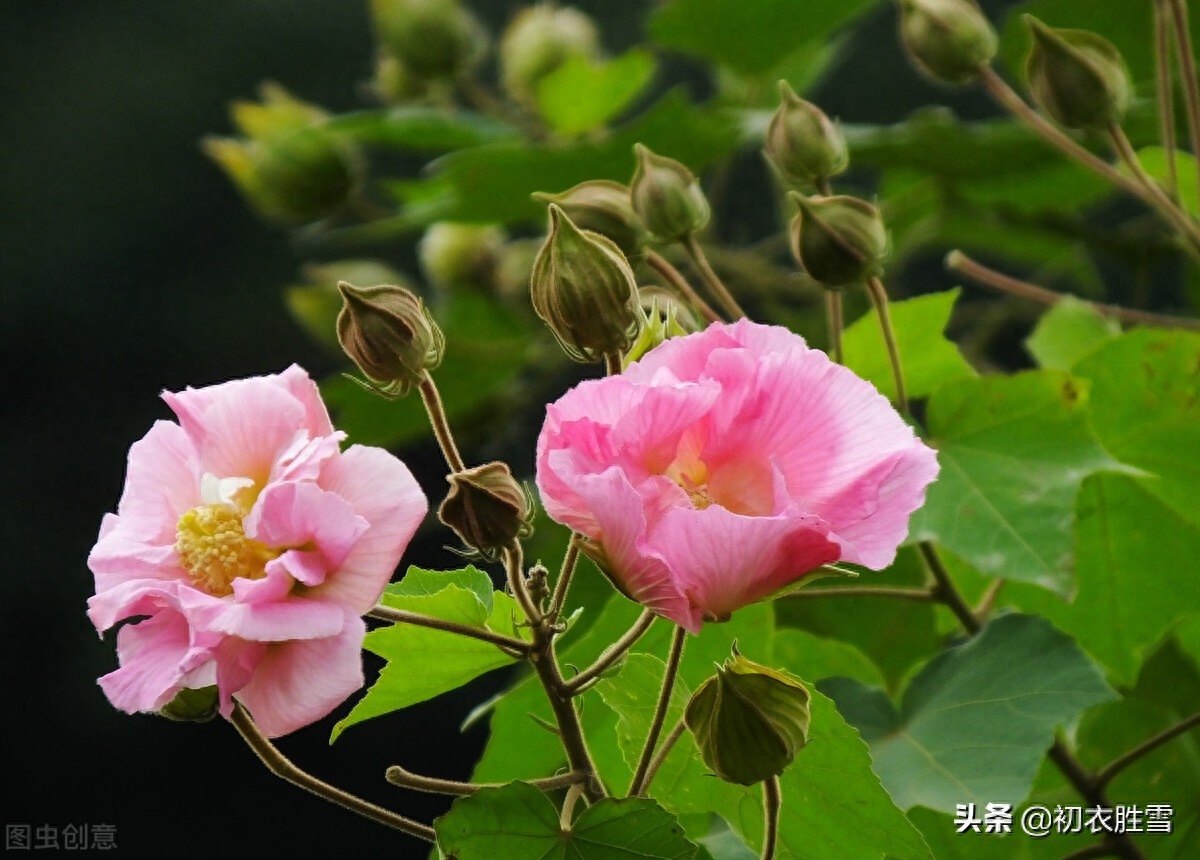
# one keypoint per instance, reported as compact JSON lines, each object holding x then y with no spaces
{"x":214,"y":549}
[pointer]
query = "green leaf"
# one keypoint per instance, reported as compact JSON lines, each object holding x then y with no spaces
{"x":487,"y":345}
{"x":582,"y":94}
{"x":422,"y":128}
{"x":518,"y":822}
{"x":929,"y":359}
{"x":749,"y":37}
{"x":1013,"y":451}
{"x":816,"y":658}
{"x":493,"y":183}
{"x":893,"y":634}
{"x":447,"y":660}
{"x":975,"y":723}
{"x":1068,"y":332}
{"x":1138,"y":536}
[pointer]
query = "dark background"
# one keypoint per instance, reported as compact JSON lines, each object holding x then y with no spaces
{"x":130,"y":265}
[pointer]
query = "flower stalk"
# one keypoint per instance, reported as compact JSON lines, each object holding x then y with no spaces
{"x":879,"y":299}
{"x":772,"y":804}
{"x":1164,"y":88}
{"x":711,"y":279}
{"x":637,"y":787}
{"x":509,"y":645}
{"x":611,"y":654}
{"x":1187,"y":71}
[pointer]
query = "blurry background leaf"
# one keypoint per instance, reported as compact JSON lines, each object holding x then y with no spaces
{"x":583,"y":94}
{"x":422,"y":128}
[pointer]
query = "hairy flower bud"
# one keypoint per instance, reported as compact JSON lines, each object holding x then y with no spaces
{"x":838,"y":240}
{"x":749,"y":721}
{"x":486,"y":507}
{"x":802,"y":142}
{"x":1077,"y":77}
{"x":603,"y":207}
{"x":389,"y":334}
{"x":947,"y":40}
{"x":315,"y":302}
{"x":431,"y":39}
{"x":666,"y":196}
{"x":583,"y":288}
{"x":192,"y":706}
{"x":539,"y":40}
{"x":288,"y":165}
{"x":460,"y":255}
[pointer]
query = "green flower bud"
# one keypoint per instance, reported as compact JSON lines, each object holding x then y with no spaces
{"x":390,"y":334}
{"x":666,"y":196}
{"x":432,"y":39}
{"x":487,"y":508}
{"x":802,"y":143}
{"x":539,"y":40}
{"x":394,"y":84}
{"x":838,"y":240}
{"x":192,"y":706}
{"x":316,"y":301}
{"x":947,"y":40}
{"x":458,"y":256}
{"x":1076,"y":77}
{"x":288,"y":165}
{"x":749,"y":721}
{"x":603,"y":207}
{"x":583,"y":288}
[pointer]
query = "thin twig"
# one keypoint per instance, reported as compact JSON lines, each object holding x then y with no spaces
{"x":1164,"y":88}
{"x":1187,"y":71}
{"x":514,"y":566}
{"x":944,"y":589}
{"x":564,"y":577}
{"x":611,"y":654}
{"x":663,"y":751}
{"x":1158,"y":198}
{"x":772,"y":802}
{"x":675,"y":278}
{"x":920,"y":595}
{"x":398,"y":776}
{"x":879,"y":299}
{"x":278,"y":764}
{"x":957,"y":261}
{"x":508,"y":644}
{"x":833,"y":317}
{"x":1106,"y":773}
{"x":437,"y":419}
{"x":638,"y":785}
{"x":715,"y":284}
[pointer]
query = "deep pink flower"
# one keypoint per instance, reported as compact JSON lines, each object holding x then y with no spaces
{"x":728,"y":464}
{"x":253,"y":545}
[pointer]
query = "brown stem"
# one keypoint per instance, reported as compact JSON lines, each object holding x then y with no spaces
{"x":663,"y":751}
{"x":1164,"y":88}
{"x":944,"y":590}
{"x":612,"y":363}
{"x":398,"y":776}
{"x":772,"y":802}
{"x":833,"y":317}
{"x":570,"y":730}
{"x":441,"y":427}
{"x":1158,"y":199}
{"x":957,"y":261}
{"x":715,"y":284}
{"x":1187,"y":70}
{"x":638,"y":785}
{"x":278,"y":764}
{"x":920,"y":595}
{"x":675,"y":278}
{"x":564,"y":578}
{"x":879,"y":299}
{"x":611,"y":654}
{"x":1110,"y":770}
{"x":509,"y":645}
{"x":514,"y":566}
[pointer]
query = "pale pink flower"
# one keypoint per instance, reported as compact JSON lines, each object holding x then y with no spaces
{"x":726,"y":465}
{"x":251,"y":545}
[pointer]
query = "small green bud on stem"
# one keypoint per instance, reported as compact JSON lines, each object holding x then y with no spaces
{"x":430,"y":39}
{"x":947,"y":40}
{"x":1076,"y":77}
{"x":666,"y":196}
{"x":603,"y":207}
{"x":803,"y":144}
{"x":390,"y":334}
{"x":838,"y":240}
{"x":539,"y":40}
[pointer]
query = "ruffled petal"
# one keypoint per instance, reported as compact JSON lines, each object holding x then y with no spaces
{"x":156,"y":655}
{"x":291,"y":514}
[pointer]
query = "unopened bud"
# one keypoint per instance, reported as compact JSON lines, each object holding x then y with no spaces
{"x":802,"y":142}
{"x":838,"y":240}
{"x":288,"y":165}
{"x":603,"y":207}
{"x":486,"y":507}
{"x":749,"y":721}
{"x":316,"y":301}
{"x":389,"y":334}
{"x":192,"y":706}
{"x":539,"y":40}
{"x":584,"y":290}
{"x":666,"y":196}
{"x":431,"y":39}
{"x":947,"y":40}
{"x":1077,"y":77}
{"x":460,"y":255}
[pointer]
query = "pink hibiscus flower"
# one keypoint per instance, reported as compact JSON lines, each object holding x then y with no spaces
{"x":726,"y":465}
{"x":253,"y":545}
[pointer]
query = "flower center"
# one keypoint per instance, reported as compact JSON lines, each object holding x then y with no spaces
{"x":215,"y":551}
{"x":692,"y":478}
